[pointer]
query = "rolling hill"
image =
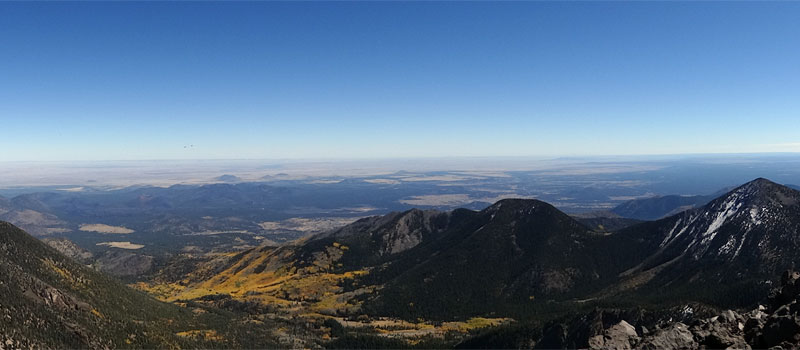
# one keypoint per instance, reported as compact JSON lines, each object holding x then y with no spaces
{"x":655,"y":208}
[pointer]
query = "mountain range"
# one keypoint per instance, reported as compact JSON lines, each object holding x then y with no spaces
{"x":519,"y":257}
{"x":465,"y":270}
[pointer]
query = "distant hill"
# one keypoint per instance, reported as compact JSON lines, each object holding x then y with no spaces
{"x":655,"y":208}
{"x":32,"y":214}
{"x":604,"y":221}
{"x":228,"y":178}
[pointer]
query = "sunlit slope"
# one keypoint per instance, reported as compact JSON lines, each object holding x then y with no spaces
{"x":321,"y":273}
{"x":50,"y":301}
{"x":274,"y":276}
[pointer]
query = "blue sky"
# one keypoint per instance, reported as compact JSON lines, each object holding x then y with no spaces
{"x":115,"y":81}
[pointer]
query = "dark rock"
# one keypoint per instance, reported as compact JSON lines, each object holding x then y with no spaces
{"x":780,"y":329}
{"x":725,"y":331}
{"x":675,"y":336}
{"x":554,"y":337}
{"x":620,"y":336}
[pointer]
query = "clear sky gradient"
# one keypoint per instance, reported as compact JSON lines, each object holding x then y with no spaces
{"x":116,"y":81}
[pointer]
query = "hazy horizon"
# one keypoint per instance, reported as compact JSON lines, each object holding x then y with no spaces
{"x":66,"y":175}
{"x":421,"y":158}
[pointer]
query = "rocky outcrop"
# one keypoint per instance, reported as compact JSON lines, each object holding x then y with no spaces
{"x":123,"y":264}
{"x":408,"y":230}
{"x":675,"y":336}
{"x":70,"y":249}
{"x":780,"y":327}
{"x":725,"y":331}
{"x":41,"y":292}
{"x":395,"y":232}
{"x":776,"y":325}
{"x":621,"y":336}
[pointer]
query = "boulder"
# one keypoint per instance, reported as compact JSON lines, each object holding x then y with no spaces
{"x":621,"y":336}
{"x":725,"y":331}
{"x":675,"y":336}
{"x":780,"y":329}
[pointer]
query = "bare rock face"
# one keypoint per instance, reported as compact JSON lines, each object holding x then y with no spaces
{"x":408,"y":230}
{"x":124,"y":263}
{"x":675,"y":336}
{"x":781,"y":327}
{"x":621,"y":336}
{"x":776,"y":325}
{"x":788,"y":291}
{"x":725,"y":331}
{"x":70,"y":249}
{"x":41,"y":292}
{"x":395,"y":232}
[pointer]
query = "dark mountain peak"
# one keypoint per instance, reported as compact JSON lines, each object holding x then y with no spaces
{"x":517,"y":202}
{"x":416,"y":212}
{"x":758,"y":187}
{"x":759,"y":194}
{"x":391,"y":233}
{"x":755,"y":192}
{"x":408,"y":215}
{"x":750,"y":231}
{"x":517,"y":210}
{"x":760,"y":181}
{"x":520,"y":205}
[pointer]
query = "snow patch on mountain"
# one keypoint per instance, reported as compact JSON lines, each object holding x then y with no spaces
{"x":754,"y":216}
{"x":731,"y":209}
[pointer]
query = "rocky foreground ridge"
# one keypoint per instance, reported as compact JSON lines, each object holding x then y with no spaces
{"x":775,"y":325}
